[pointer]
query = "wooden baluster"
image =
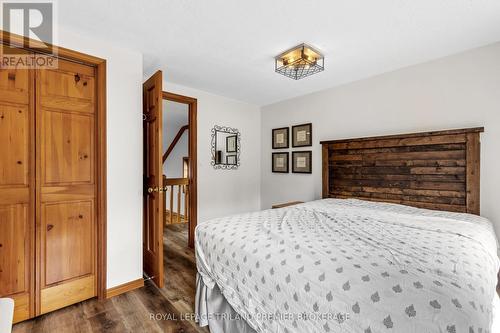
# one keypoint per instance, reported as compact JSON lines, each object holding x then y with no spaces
{"x":185,"y":203}
{"x":164,"y":205}
{"x":178,"y":203}
{"x":182,"y":187}
{"x":171,"y":204}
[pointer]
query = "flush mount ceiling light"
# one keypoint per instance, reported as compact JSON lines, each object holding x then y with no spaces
{"x":299,"y":62}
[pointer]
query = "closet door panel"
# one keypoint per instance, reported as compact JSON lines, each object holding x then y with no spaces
{"x":66,"y":187}
{"x":67,"y":148}
{"x":22,"y":305}
{"x":15,"y":85}
{"x":14,"y":249}
{"x":17,"y":190}
{"x":14,"y":141}
{"x":15,"y":256}
{"x":68,"y":293}
{"x":67,"y":233}
{"x":71,"y":87}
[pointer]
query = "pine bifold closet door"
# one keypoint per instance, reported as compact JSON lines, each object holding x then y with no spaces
{"x":66,"y":188}
{"x":17,"y":189}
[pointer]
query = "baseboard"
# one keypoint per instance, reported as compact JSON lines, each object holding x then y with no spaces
{"x":123,"y":288}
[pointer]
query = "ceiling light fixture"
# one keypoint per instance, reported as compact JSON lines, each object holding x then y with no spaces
{"x":299,"y":62}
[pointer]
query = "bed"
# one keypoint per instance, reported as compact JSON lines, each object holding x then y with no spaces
{"x":357,"y":262}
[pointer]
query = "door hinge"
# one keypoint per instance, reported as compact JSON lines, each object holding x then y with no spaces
{"x":147,"y":277}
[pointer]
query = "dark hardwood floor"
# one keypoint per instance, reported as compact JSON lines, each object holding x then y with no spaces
{"x":132,"y":312}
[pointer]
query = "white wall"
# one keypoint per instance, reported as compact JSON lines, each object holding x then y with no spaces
{"x":454,"y":92}
{"x":124,"y":152}
{"x":225,"y":192}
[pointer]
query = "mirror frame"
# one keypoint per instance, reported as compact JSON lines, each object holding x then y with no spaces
{"x":229,"y":130}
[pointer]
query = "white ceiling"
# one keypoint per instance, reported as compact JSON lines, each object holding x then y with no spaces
{"x":227,"y":46}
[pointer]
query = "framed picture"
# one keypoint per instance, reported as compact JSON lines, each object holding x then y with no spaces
{"x":280,"y":138}
{"x":231,"y":143}
{"x":302,"y":135}
{"x":302,"y":161}
{"x":231,"y":159}
{"x":280,"y":162}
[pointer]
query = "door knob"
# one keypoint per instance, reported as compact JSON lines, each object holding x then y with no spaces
{"x":155,"y":189}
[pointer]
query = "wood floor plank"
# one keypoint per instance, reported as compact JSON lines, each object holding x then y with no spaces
{"x":133,"y":311}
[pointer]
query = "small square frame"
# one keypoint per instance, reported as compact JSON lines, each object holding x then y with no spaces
{"x":308,"y":167}
{"x":287,"y":162}
{"x":308,"y":142}
{"x":287,"y":139}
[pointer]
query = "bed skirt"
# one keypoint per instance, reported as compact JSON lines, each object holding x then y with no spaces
{"x":212,"y":309}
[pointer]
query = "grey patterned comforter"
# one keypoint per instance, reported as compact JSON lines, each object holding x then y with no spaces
{"x":353,"y":266}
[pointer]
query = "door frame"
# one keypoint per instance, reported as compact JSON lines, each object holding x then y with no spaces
{"x":193,"y":158}
{"x":100,"y":126}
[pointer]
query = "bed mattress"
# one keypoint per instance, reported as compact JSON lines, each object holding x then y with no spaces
{"x":338,"y":265}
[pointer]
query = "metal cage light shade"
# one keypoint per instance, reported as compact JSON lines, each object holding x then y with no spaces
{"x":299,"y":62}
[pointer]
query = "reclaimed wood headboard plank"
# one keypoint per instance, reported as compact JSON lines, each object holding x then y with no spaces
{"x":435,"y":170}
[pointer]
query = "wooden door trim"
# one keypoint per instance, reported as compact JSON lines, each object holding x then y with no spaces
{"x":63,"y":53}
{"x":192,"y":152}
{"x":101,"y":204}
{"x":100,"y":67}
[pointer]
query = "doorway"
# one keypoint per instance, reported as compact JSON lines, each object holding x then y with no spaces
{"x":179,"y":159}
{"x":170,"y":196}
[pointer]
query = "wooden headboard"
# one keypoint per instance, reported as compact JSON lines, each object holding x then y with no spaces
{"x":436,"y":170}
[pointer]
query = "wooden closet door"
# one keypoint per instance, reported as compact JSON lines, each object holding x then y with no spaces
{"x":66,"y":185}
{"x":17,"y":189}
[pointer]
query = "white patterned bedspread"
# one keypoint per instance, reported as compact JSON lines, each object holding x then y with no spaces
{"x":387,"y":267}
